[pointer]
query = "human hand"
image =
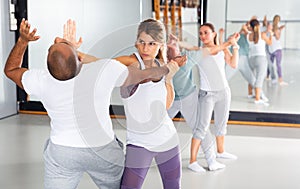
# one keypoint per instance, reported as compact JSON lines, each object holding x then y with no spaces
{"x":221,"y":31}
{"x":25,"y":33}
{"x":244,"y":28}
{"x":173,"y":68}
{"x":173,"y":47}
{"x":70,"y":33}
{"x":180,"y":60}
{"x":172,"y":39}
{"x":234,"y":38}
{"x":281,"y":27}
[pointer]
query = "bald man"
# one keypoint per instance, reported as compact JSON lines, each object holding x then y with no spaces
{"x":77,"y":99}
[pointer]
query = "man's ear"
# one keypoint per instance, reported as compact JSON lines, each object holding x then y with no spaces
{"x":80,"y":56}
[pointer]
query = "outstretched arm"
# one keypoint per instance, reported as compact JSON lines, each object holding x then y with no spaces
{"x":136,"y":75}
{"x":13,"y":69}
{"x":187,"y":46}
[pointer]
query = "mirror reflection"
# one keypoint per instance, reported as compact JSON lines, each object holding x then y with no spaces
{"x":282,"y":96}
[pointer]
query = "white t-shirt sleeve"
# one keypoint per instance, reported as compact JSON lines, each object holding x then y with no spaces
{"x":31,"y":81}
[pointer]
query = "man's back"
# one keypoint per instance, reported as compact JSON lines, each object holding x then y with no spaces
{"x":79,"y":107}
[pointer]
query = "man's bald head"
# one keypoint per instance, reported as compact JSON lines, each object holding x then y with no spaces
{"x":62,"y":61}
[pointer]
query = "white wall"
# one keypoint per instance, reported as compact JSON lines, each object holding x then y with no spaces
{"x":7,"y":88}
{"x":244,"y":9}
{"x":216,"y":13}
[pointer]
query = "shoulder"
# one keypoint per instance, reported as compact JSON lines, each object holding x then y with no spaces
{"x":35,"y":73}
{"x":33,"y":80}
{"x":127,"y":60}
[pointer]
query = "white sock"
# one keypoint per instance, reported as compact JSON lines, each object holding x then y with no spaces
{"x":214,"y":165}
{"x":196,"y":167}
{"x":226,"y":155}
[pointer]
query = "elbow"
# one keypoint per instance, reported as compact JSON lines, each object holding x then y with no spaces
{"x":6,"y":72}
{"x":234,"y":66}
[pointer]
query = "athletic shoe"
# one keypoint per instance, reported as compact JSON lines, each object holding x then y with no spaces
{"x":274,"y":81}
{"x":282,"y":83}
{"x":264,"y":98}
{"x":226,"y":155}
{"x":216,"y":166}
{"x":261,"y":102}
{"x":196,"y":167}
{"x":251,"y":96}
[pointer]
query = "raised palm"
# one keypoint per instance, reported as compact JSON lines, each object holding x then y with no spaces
{"x":70,"y":33}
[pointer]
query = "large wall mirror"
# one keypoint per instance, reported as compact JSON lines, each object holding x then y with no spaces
{"x":99,"y":23}
{"x":283,"y":99}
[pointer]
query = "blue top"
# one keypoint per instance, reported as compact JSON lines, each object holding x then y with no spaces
{"x":244,"y":46}
{"x":183,"y":79}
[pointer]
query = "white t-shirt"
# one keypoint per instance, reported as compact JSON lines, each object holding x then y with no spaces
{"x":79,"y":107}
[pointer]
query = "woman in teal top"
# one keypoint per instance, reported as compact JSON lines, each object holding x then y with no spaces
{"x":244,"y":67}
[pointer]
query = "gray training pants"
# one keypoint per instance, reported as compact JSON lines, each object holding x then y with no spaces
{"x":217,"y":102}
{"x":64,"y":166}
{"x":189,"y":108}
{"x":259,"y":67}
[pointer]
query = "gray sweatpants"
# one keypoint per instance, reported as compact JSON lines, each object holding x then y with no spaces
{"x":64,"y":166}
{"x":259,"y":67}
{"x":188,"y":107}
{"x":217,"y":102}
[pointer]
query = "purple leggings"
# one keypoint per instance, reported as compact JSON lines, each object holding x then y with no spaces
{"x":137,"y":163}
{"x":278,"y":56}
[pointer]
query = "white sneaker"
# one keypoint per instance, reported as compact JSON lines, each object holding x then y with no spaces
{"x":282,"y":83}
{"x":264,"y":98}
{"x":261,"y":102}
{"x":196,"y":167}
{"x":274,"y":81}
{"x":251,"y":96}
{"x":226,"y":155}
{"x":213,"y":166}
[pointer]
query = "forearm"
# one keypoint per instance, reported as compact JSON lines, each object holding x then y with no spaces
{"x":154,"y":73}
{"x":218,"y":48}
{"x":277,"y":34}
{"x":13,"y":69}
{"x":136,"y":75}
{"x":234,"y":58}
{"x":86,"y":58}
